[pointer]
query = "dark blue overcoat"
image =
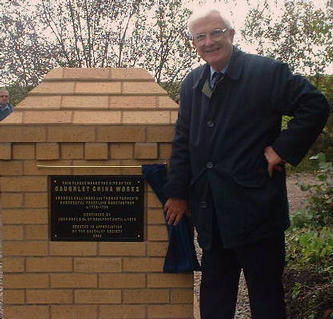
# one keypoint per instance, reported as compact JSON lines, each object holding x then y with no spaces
{"x":218,"y":161}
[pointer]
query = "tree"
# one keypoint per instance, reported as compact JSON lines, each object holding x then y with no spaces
{"x":94,"y":33}
{"x":170,"y":53}
{"x":300,"y":35}
{"x":25,"y":55}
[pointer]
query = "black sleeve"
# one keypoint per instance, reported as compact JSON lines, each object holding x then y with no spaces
{"x":179,"y":172}
{"x":295,"y":96}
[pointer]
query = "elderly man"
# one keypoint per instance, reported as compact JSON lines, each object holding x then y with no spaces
{"x":227,"y":165}
{"x":5,"y":107}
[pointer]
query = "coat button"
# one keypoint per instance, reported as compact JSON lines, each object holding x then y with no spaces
{"x":203,"y":204}
{"x":210,"y":165}
{"x":210,"y":124}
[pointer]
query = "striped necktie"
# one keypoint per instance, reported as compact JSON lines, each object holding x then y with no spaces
{"x":215,"y":78}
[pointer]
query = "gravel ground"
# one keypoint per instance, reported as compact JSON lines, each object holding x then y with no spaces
{"x":296,"y":201}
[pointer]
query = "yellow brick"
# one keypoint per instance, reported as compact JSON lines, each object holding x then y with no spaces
{"x":47,"y":151}
{"x":73,"y":248}
{"x":74,"y":312}
{"x":13,"y":296}
{"x":25,"y":248}
{"x":153,"y":201}
{"x":131,"y":74}
{"x":23,"y":151}
{"x":72,"y":150}
{"x":121,"y":134}
{"x":24,"y":216}
{"x":13,"y":264}
{"x":182,"y":295}
{"x":170,"y":280}
{"x":11,"y":232}
{"x":122,"y":312}
{"x":173,"y":117}
{"x":145,"y":151}
{"x":122,"y":281}
{"x":11,"y":200}
{"x":48,"y":117}
{"x":100,"y":296}
{"x":122,"y":249}
{"x":170,"y":311}
{"x":157,"y":249}
{"x":24,"y":184}
{"x":73,"y":280}
{"x":97,"y":264}
{"x":97,"y":117}
{"x":146,"y":117}
{"x":26,"y":281}
{"x":36,"y":232}
{"x":143,"y":264}
{"x":26,"y":312}
{"x":157,"y":233}
{"x":64,"y":87}
{"x":85,"y":102}
{"x":100,"y":87}
{"x":57,"y":73}
{"x":5,"y":151}
{"x":142,"y":88}
{"x":96,"y":151}
{"x":86,"y":73}
{"x":40,"y":102}
{"x":31,"y":168}
{"x":155,"y":216}
{"x":22,"y":134}
{"x":71,"y":134}
{"x":49,"y":264}
{"x":145,"y":296}
{"x":121,"y":150}
{"x":12,"y":119}
{"x":167,"y":102}
{"x":165,"y":151}
{"x":49,"y":296}
{"x":133,"y":102}
{"x":36,"y":200}
{"x":160,"y":134}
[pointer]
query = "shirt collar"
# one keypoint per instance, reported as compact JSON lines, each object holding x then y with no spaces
{"x":212,"y":71}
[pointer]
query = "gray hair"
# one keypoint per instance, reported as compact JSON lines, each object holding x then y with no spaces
{"x":205,"y":12}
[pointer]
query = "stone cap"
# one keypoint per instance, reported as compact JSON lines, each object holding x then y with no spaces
{"x":93,"y":96}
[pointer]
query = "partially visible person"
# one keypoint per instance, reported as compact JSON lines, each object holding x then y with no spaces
{"x":227,"y":165}
{"x":5,"y":106}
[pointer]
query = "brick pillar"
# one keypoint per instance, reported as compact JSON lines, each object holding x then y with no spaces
{"x":86,"y":117}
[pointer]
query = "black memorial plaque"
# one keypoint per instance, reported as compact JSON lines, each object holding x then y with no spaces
{"x":96,"y":208}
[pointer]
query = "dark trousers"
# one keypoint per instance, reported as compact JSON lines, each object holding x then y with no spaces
{"x":262,"y":264}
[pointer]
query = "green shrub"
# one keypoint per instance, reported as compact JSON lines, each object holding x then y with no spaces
{"x":309,"y":250}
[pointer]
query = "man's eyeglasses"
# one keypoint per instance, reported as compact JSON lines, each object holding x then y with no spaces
{"x":4,"y":95}
{"x":215,"y":34}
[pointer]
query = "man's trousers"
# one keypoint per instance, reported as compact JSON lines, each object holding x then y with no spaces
{"x":262,"y":264}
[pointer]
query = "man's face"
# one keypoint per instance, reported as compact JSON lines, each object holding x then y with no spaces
{"x":216,"y":51}
{"x":4,"y":97}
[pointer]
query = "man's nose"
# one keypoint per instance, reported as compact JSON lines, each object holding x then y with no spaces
{"x":208,"y":40}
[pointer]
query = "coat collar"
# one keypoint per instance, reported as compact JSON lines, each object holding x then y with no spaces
{"x":234,"y":69}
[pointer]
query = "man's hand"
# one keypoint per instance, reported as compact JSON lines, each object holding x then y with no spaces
{"x":273,"y":160}
{"x":175,"y":209}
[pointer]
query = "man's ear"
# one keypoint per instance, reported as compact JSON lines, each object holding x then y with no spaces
{"x":232,"y":34}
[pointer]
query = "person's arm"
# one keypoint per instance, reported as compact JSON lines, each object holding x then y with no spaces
{"x":295,"y":96}
{"x":179,"y":172}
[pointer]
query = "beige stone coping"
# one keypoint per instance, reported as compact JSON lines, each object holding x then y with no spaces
{"x":97,"y":96}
